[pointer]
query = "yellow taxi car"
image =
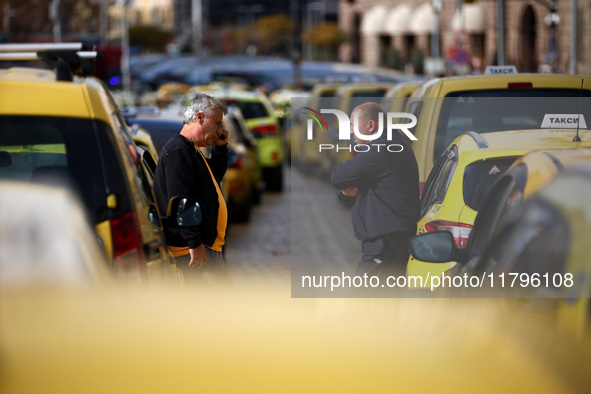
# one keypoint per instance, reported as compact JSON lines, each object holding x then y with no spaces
{"x":55,"y":342}
{"x":397,"y":96}
{"x":447,"y":107}
{"x":170,"y":92}
{"x":242,"y":182}
{"x":281,"y":100}
{"x":527,"y":175}
{"x":260,"y":118}
{"x":547,"y":240}
{"x":464,"y":175}
{"x":305,"y":155}
{"x":57,"y":127}
{"x":346,"y":98}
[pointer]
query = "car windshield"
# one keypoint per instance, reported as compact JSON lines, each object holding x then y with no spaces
{"x":485,"y":111}
{"x":160,"y":129}
{"x":250,"y":109}
{"x":479,"y":178}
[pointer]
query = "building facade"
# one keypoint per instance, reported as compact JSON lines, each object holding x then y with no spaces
{"x":535,"y":35}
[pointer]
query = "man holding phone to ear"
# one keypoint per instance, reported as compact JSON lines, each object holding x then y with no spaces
{"x":184,"y":171}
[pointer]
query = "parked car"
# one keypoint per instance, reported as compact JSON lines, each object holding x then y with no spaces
{"x":62,"y":128}
{"x":466,"y":172}
{"x":448,"y":107}
{"x":264,"y":126}
{"x":524,"y":178}
{"x":397,"y":96}
{"x":305,"y":154}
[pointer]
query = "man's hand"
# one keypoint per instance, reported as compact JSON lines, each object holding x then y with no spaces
{"x":351,"y":191}
{"x":198,"y":257}
{"x":222,"y":138}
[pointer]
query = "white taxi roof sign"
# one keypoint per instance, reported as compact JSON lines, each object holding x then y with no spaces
{"x":500,"y":70}
{"x":564,"y":121}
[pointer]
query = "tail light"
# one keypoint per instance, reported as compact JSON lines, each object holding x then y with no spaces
{"x":265,"y":130}
{"x":520,"y":85}
{"x":127,"y":246}
{"x":236,"y":161}
{"x":460,"y":231}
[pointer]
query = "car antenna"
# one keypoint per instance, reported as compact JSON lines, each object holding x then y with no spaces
{"x":577,"y":138}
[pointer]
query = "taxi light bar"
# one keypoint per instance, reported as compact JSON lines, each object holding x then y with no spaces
{"x":66,"y":58}
{"x":35,"y":55}
{"x":460,"y":231}
{"x":33,"y":47}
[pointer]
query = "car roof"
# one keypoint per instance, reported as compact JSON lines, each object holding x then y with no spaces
{"x":36,"y":92}
{"x":542,"y":167}
{"x":483,"y":82}
{"x":535,"y":139}
{"x":402,"y":88}
{"x":244,"y":95}
{"x":360,"y":86}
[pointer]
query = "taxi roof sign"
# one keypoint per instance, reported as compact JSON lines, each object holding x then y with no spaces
{"x":500,"y":70}
{"x":564,"y":121}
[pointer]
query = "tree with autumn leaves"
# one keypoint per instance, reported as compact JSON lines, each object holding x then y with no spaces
{"x":325,"y":39}
{"x":272,"y":35}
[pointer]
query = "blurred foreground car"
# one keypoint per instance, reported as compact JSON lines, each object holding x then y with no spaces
{"x":547,"y":238}
{"x":464,"y":174}
{"x":448,"y":107}
{"x":145,"y":341}
{"x":60,"y":128}
{"x":46,"y":240}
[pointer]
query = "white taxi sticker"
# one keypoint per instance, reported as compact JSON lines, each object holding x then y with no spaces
{"x":500,"y":70}
{"x":564,"y":121}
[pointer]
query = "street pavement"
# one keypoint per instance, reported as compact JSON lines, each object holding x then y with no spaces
{"x":305,"y":228}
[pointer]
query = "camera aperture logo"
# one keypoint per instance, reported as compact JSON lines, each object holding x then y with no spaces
{"x":402,"y":121}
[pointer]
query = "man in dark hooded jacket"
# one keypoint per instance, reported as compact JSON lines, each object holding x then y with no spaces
{"x":383,"y":186}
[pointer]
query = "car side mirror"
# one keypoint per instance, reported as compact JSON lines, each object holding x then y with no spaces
{"x":433,"y":247}
{"x":184,"y":212}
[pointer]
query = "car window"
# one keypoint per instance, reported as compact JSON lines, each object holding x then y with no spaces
{"x":501,"y":200}
{"x":534,"y":239}
{"x":46,"y":149}
{"x":415,"y":109}
{"x":160,"y":129}
{"x":486,"y":111}
{"x":358,"y":99}
{"x":250,"y":109}
{"x":235,"y":133}
{"x":370,"y":93}
{"x":439,"y":179}
{"x":479,"y":177}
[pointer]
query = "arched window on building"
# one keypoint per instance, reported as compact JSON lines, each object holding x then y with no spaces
{"x":528,"y":56}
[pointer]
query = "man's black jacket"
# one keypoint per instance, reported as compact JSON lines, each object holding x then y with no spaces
{"x":388,"y":182}
{"x":181,"y":171}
